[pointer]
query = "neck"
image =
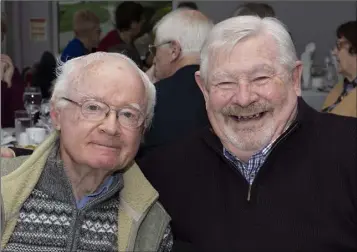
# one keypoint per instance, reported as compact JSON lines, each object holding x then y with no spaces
{"x":85,"y":43}
{"x":246,"y":155}
{"x":351,"y":77}
{"x":126,"y":36}
{"x":84,"y":180}
{"x":191,"y":59}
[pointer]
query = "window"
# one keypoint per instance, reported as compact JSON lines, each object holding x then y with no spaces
{"x":154,"y":10}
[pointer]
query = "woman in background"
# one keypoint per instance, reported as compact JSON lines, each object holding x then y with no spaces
{"x":12,"y":86}
{"x":342,"y":99}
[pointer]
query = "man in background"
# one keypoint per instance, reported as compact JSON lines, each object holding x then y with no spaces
{"x":189,"y":5}
{"x":260,"y":9}
{"x":129,"y":19}
{"x":86,"y":27}
{"x":180,"y":108}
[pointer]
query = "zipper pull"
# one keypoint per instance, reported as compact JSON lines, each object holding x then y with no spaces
{"x":249,"y":192}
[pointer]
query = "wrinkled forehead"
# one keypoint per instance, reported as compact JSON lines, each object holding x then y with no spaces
{"x":110,"y":81}
{"x":257,"y":53}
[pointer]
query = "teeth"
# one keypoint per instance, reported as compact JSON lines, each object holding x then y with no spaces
{"x":248,"y":117}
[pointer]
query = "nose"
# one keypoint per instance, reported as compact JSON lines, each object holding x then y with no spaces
{"x":243,"y":95}
{"x":110,"y":124}
{"x":334,"y":51}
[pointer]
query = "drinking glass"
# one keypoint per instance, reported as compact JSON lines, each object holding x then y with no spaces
{"x":22,"y":122}
{"x":32,"y":101}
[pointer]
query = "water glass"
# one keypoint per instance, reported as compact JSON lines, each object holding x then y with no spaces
{"x":22,"y":122}
{"x":32,"y":101}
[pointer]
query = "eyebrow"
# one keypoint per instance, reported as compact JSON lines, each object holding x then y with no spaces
{"x":92,"y":97}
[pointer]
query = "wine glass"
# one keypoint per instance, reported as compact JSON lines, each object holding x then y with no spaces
{"x":45,"y":107}
{"x":32,"y":101}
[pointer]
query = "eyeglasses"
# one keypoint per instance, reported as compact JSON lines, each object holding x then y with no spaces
{"x":97,"y":111}
{"x":153,"y":48}
{"x":340,"y":44}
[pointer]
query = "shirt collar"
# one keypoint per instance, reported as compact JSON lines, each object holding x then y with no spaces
{"x":103,"y":188}
{"x":349,"y":84}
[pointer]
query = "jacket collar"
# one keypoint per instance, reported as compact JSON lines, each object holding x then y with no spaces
{"x":136,"y":197}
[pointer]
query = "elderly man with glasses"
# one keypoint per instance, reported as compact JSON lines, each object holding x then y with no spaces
{"x":81,"y":190}
{"x":180,"y":109}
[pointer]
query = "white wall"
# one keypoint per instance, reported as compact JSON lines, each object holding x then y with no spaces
{"x":307,"y":21}
{"x":20,"y":47}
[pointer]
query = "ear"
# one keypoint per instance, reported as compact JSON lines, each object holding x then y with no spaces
{"x":55,"y":116}
{"x":201,"y":84}
{"x":175,"y":50}
{"x":296,"y":78}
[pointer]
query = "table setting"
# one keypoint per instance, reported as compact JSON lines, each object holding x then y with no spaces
{"x":32,"y":125}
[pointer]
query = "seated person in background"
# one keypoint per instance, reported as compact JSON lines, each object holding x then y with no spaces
{"x":270,"y":174}
{"x":180,"y":108}
{"x":148,"y":62}
{"x":12,"y":86}
{"x":129,"y":18}
{"x":188,"y":5}
{"x":260,"y":9}
{"x":86,"y":27}
{"x":256,"y":9}
{"x":44,"y":74}
{"x":80,"y":188}
{"x":342,"y":99}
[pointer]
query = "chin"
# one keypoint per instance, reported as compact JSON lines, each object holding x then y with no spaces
{"x":104,"y":163}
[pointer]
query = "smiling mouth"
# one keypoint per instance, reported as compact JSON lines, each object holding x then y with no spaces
{"x":248,"y":118}
{"x":105,"y":146}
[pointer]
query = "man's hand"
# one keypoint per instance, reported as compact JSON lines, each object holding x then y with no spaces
{"x":7,"y":69}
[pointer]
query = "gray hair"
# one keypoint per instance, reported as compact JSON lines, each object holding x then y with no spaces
{"x":72,"y":71}
{"x":189,"y":27}
{"x":228,"y":33}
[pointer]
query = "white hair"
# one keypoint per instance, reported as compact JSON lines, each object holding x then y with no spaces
{"x":228,"y":33}
{"x":188,"y":27}
{"x":73,"y":70}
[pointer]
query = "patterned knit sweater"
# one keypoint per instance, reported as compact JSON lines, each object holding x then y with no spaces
{"x":50,"y":221}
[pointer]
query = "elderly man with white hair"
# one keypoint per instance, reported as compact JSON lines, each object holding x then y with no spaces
{"x":81,"y":190}
{"x":270,"y":173}
{"x":180,"y":109}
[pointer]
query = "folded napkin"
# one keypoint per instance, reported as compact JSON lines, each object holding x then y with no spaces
{"x":6,"y":137}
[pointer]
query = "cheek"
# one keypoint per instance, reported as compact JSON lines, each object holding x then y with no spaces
{"x":131,"y":143}
{"x":217,"y":100}
{"x":274,"y":92}
{"x":75,"y":129}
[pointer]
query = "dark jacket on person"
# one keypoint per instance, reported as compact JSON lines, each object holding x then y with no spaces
{"x":304,"y":197}
{"x":45,"y":74}
{"x":180,"y":109}
{"x":74,"y":49}
{"x":11,"y":99}
{"x":113,"y":43}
